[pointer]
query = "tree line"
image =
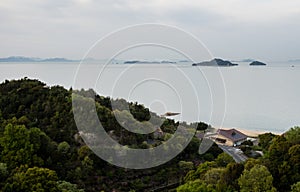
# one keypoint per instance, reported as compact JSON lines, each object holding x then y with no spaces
{"x":42,"y":150}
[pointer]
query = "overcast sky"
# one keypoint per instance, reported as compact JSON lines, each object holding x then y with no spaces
{"x":232,"y":29}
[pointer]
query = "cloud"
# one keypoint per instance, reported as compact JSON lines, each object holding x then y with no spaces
{"x":69,"y":27}
{"x":240,"y":10}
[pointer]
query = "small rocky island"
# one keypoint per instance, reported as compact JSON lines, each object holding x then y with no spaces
{"x":257,"y":63}
{"x":215,"y":62}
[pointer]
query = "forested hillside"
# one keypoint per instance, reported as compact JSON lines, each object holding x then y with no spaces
{"x":277,"y":170}
{"x":41,"y":149}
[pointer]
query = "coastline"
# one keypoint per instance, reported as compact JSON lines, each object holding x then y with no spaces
{"x":250,"y":133}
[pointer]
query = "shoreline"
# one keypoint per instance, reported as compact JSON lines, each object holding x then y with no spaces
{"x":250,"y":133}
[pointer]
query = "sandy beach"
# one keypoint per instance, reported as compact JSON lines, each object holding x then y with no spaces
{"x":249,"y":133}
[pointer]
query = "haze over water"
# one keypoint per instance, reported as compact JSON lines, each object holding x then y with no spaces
{"x":257,"y":98}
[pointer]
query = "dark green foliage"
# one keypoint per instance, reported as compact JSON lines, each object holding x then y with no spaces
{"x":200,"y":171}
{"x":41,"y":149}
{"x":20,"y":146}
{"x":293,"y":135}
{"x":139,"y":112}
{"x":196,"y":186}
{"x":277,"y":170}
{"x":258,"y":178}
{"x":212,"y":153}
{"x":278,"y":155}
{"x":229,"y":177}
{"x":296,"y":187}
{"x":65,"y":186}
{"x":39,"y":139}
{"x":223,"y":159}
{"x":283,"y":160}
{"x":3,"y":172}
{"x":265,"y":140}
{"x":247,"y":143}
{"x":186,"y":166}
{"x":33,"y":179}
{"x":202,"y":126}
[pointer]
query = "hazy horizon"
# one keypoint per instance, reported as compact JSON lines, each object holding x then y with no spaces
{"x":235,"y":29}
{"x":170,"y":59}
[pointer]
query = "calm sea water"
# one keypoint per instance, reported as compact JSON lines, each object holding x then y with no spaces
{"x":253,"y":98}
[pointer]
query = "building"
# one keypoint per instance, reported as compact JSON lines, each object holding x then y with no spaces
{"x":230,"y":137}
{"x":158,"y":133}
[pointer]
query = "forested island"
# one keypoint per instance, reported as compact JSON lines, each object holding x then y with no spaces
{"x":216,"y":62}
{"x":41,"y":150}
{"x":257,"y":63}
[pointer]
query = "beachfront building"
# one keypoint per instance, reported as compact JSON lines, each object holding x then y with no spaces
{"x":230,"y":137}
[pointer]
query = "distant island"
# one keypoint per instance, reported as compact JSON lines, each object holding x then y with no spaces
{"x":33,"y":59}
{"x":149,"y":62}
{"x":257,"y":63}
{"x":215,"y":62}
{"x":15,"y":59}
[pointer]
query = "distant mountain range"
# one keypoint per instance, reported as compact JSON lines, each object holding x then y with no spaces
{"x":214,"y":62}
{"x":33,"y":59}
{"x":149,"y":62}
{"x":36,"y":59}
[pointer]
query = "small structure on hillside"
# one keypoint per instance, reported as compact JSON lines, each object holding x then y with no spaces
{"x":158,"y":134}
{"x":230,"y":137}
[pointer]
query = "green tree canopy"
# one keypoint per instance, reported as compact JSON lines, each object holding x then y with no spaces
{"x":65,"y":186}
{"x":195,"y":186}
{"x":265,"y":140}
{"x":63,"y":147}
{"x":296,"y":187}
{"x":213,"y":175}
{"x":33,"y":179}
{"x":3,"y":171}
{"x":293,"y":135}
{"x":223,"y":159}
{"x":19,"y":146}
{"x":256,"y":179}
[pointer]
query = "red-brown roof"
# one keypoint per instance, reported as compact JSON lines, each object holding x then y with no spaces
{"x":232,"y":134}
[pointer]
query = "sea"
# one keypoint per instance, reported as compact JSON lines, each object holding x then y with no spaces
{"x":255,"y":98}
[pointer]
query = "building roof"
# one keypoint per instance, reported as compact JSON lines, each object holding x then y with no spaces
{"x":232,"y":134}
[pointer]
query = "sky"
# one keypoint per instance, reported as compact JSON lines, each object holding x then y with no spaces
{"x":233,"y":29}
